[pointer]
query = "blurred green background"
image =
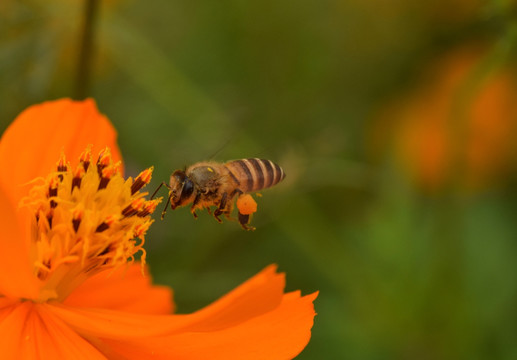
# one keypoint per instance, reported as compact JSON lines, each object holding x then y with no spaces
{"x":395,"y":122}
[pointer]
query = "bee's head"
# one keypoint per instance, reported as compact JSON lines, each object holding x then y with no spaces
{"x":181,"y":189}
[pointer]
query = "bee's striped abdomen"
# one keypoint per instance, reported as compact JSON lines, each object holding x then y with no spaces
{"x":255,"y":174}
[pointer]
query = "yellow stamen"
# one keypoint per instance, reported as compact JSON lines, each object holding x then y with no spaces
{"x":86,"y":221}
{"x":148,"y":207}
{"x":104,"y":157}
{"x":86,"y":157}
{"x":61,"y":163}
{"x":142,"y":179}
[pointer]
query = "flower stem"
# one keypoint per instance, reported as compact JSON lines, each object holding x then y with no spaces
{"x":84,"y":61}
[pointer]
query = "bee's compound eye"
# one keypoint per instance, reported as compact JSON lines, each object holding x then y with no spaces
{"x":176,"y":184}
{"x":179,"y":176}
{"x":188,"y":188}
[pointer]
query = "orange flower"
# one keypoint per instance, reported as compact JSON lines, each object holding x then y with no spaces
{"x":458,"y":125}
{"x":69,"y":228}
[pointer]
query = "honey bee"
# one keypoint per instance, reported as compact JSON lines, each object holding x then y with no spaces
{"x":207,"y":184}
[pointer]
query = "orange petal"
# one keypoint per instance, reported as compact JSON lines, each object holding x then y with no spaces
{"x":258,"y":295}
{"x":254,"y":321}
{"x":55,"y":340}
{"x":125,"y":289}
{"x":6,"y":304}
{"x":16,"y":277}
{"x":279,"y":334}
{"x":30,"y":332}
{"x":11,"y":329}
{"x":32,"y":144}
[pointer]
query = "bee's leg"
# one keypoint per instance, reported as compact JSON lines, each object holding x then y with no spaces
{"x":166,"y":204}
{"x":221,"y":208}
{"x":244,"y":220}
{"x":237,"y":192}
{"x":194,"y":205}
{"x":227,"y":207}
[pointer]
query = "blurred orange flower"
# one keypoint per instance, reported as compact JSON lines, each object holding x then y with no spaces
{"x":458,"y":125}
{"x":66,"y":290}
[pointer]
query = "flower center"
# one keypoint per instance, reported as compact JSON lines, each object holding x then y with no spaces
{"x":86,"y":220}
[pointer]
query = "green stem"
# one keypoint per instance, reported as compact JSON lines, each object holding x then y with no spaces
{"x":84,"y":62}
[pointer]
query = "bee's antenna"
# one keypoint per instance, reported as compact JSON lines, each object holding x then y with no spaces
{"x":163,"y":183}
{"x":221,"y":148}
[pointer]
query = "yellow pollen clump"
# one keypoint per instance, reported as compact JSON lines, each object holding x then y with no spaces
{"x":246,"y":204}
{"x":86,"y":219}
